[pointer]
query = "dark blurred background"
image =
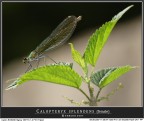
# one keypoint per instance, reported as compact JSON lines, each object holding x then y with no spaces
{"x":25,"y":25}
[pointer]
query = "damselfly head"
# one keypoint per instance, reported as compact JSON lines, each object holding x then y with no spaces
{"x":25,"y":60}
{"x":31,"y":57}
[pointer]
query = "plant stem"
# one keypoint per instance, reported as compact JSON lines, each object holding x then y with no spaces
{"x":98,"y":93}
{"x":84,"y":93}
{"x":90,"y":90}
{"x":92,"y":98}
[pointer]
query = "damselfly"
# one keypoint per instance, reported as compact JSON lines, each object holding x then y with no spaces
{"x":58,"y":37}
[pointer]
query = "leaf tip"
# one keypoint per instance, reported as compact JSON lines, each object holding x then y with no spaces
{"x":135,"y":67}
{"x":126,"y":9}
{"x":71,"y":45}
{"x":132,"y":67}
{"x":12,"y":86}
{"x":131,"y":6}
{"x":120,"y":14}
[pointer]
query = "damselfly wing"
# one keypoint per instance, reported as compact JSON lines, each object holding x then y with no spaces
{"x":58,"y":37}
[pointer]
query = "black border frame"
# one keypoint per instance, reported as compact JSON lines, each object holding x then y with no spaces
{"x":30,"y":112}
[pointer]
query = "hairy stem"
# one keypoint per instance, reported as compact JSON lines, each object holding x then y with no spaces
{"x":90,"y":90}
{"x":84,"y":93}
{"x":98,"y":93}
{"x":93,"y":101}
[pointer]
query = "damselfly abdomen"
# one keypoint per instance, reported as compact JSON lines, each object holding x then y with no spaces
{"x":58,"y":37}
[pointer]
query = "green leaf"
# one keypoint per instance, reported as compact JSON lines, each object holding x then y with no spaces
{"x":58,"y":74}
{"x":78,"y":58}
{"x":101,"y":75}
{"x":99,"y":38}
{"x":105,"y":76}
{"x":64,"y":63}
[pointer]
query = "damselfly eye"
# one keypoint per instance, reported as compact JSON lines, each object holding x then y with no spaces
{"x":25,"y":60}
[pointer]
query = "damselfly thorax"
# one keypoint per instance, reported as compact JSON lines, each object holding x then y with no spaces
{"x":32,"y":56}
{"x":58,"y":37}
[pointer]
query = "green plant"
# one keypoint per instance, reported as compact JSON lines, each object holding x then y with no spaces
{"x":63,"y":73}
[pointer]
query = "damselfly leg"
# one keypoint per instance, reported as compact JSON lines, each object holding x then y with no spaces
{"x":51,"y":58}
{"x":29,"y":67}
{"x":38,"y":61}
{"x":44,"y":57}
